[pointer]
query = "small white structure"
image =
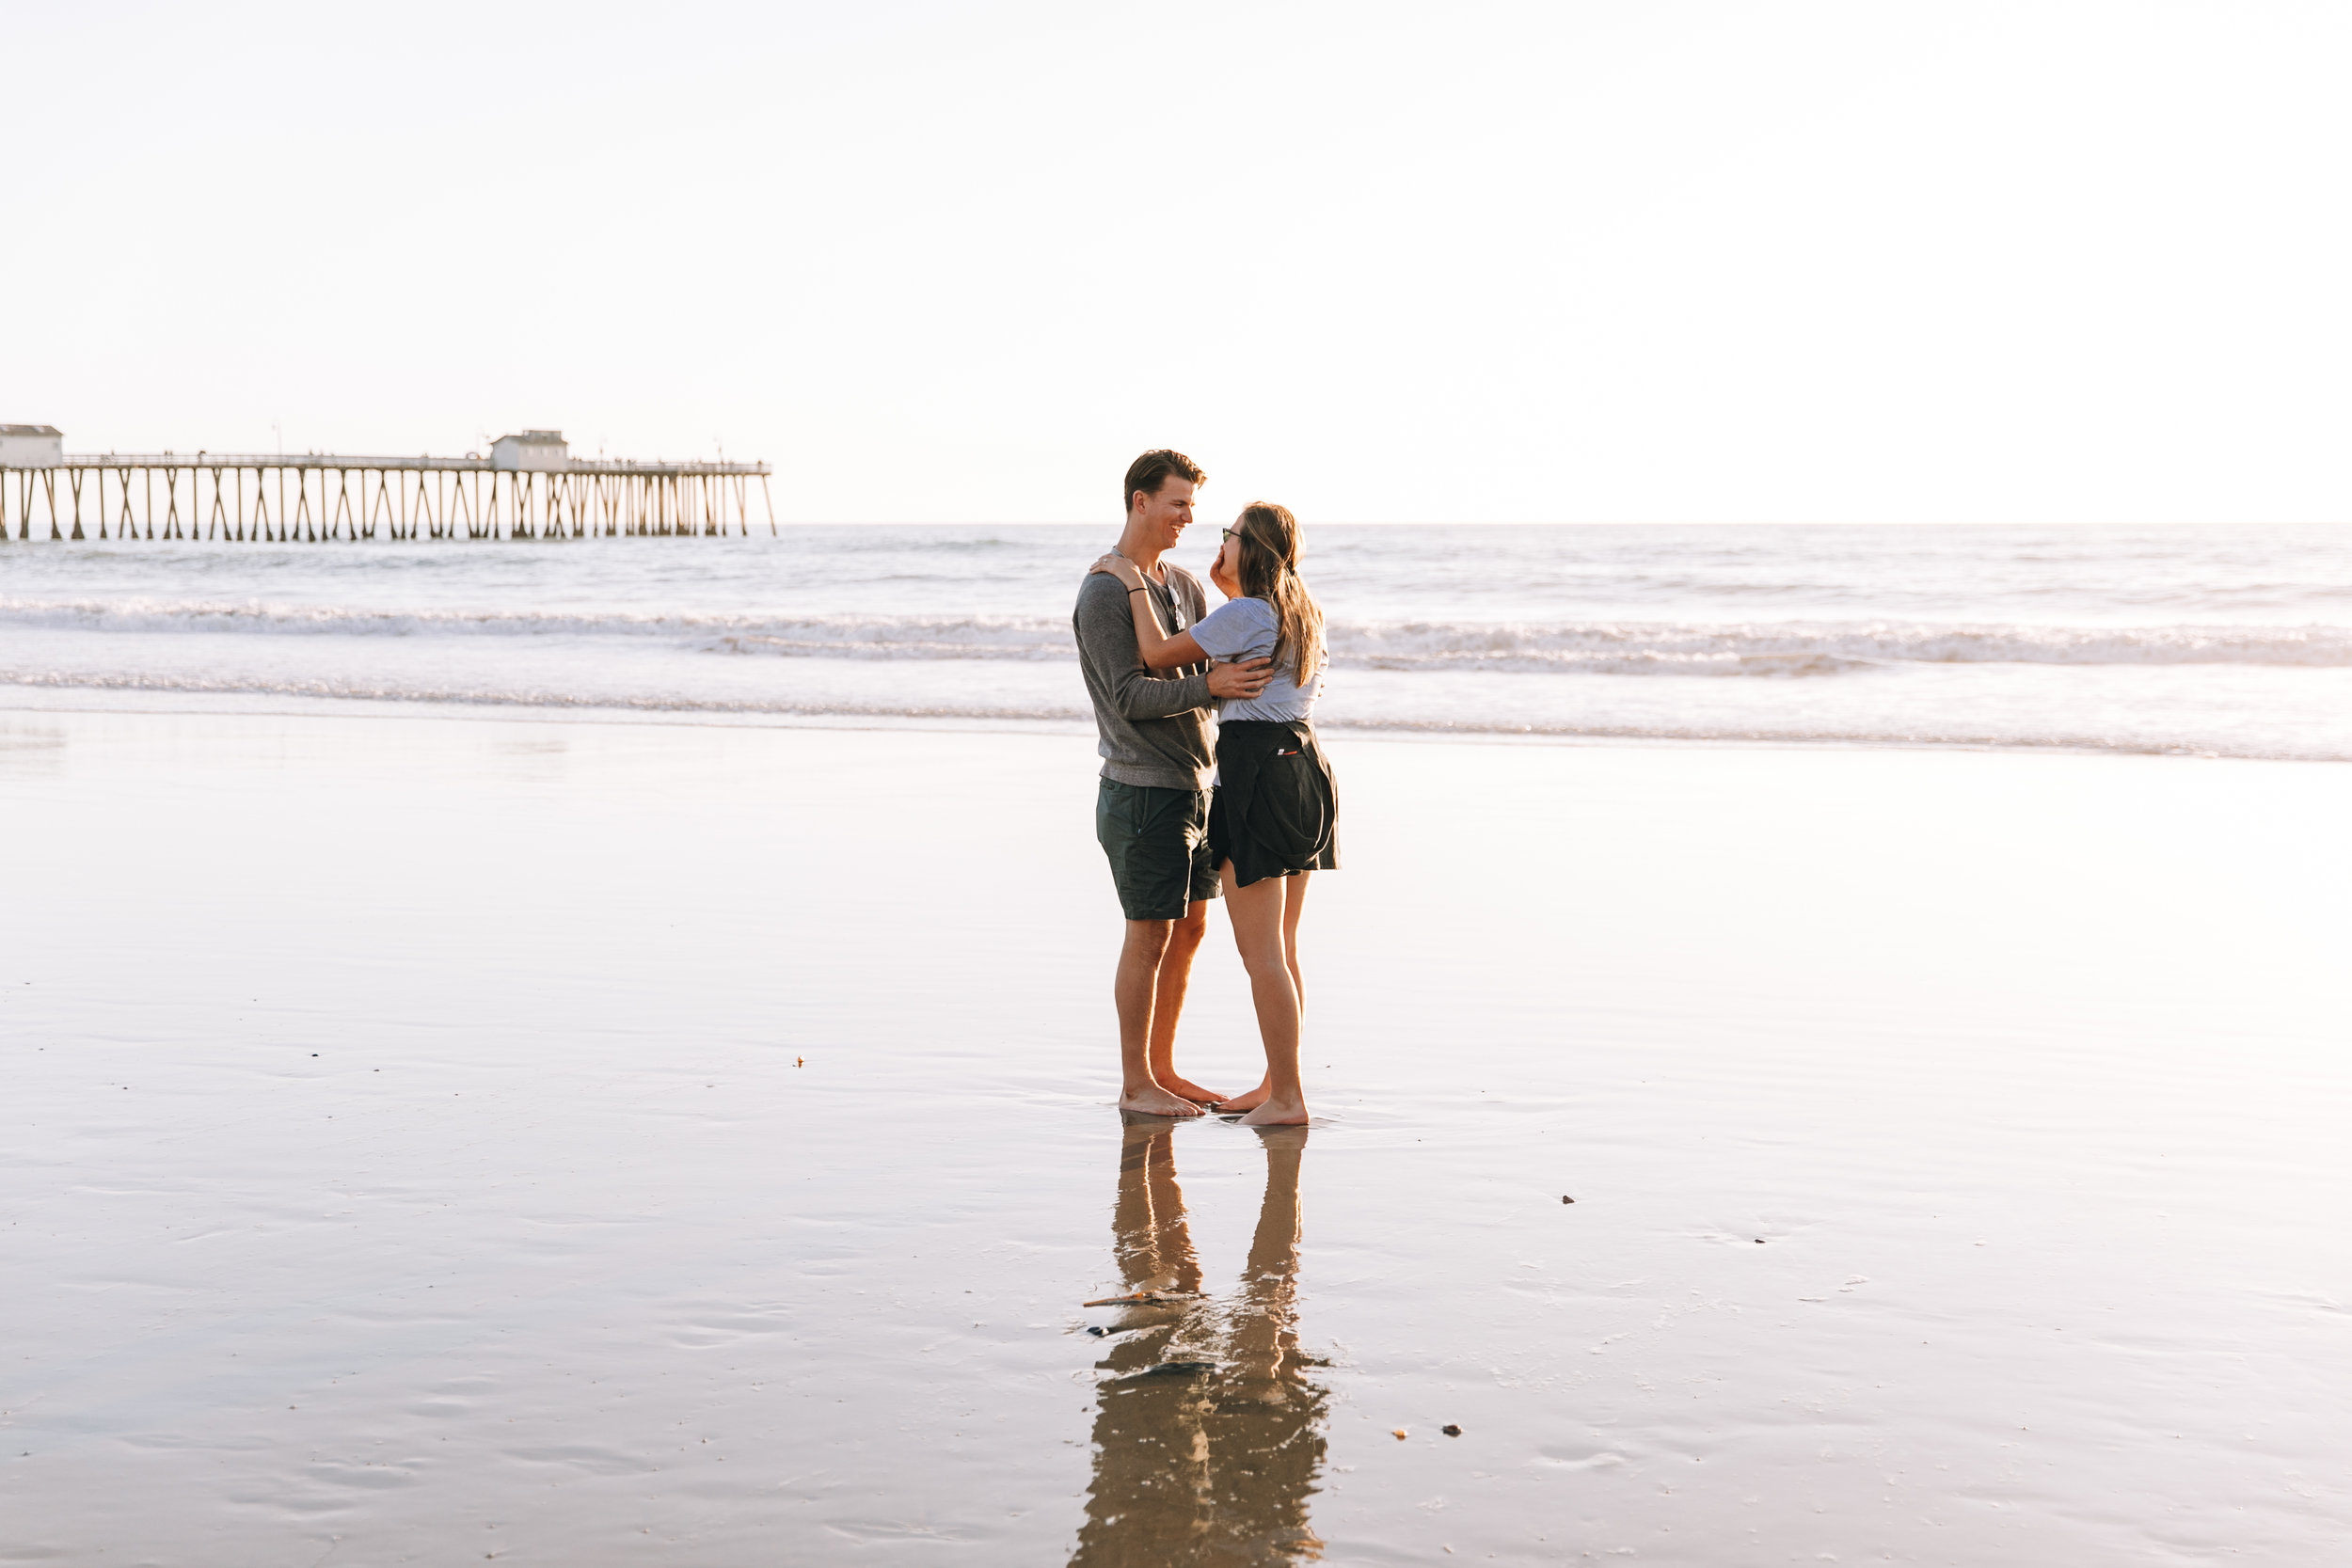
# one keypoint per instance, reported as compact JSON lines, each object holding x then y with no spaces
{"x":31,"y":446}
{"x":531,"y":452}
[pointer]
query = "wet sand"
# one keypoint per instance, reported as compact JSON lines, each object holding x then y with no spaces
{"x":446,"y":1139}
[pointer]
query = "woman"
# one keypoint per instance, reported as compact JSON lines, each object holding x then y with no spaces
{"x":1271,"y":822}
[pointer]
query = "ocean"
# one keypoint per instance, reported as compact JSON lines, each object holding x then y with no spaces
{"x":2212,"y":641}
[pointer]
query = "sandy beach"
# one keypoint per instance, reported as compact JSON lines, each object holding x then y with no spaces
{"x":581,"y":1142}
{"x":572,"y":583}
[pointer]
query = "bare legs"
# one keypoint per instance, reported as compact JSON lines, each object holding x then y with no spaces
{"x":1265,"y":928}
{"x":1168,"y":1003}
{"x":1154,"y":967}
{"x":1265,"y":1329}
{"x":1221,"y":1465}
{"x":1148,"y":1227}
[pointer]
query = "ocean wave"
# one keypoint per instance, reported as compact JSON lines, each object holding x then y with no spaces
{"x":463,"y":696}
{"x":1754,"y":648}
{"x":844,"y":636}
{"x":1816,"y":647}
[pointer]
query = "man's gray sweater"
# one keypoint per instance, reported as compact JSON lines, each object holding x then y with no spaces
{"x":1154,"y":730}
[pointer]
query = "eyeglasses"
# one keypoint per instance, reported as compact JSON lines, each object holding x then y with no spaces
{"x":1230,"y":533}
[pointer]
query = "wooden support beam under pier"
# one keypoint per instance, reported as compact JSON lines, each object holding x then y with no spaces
{"x":412,"y":498}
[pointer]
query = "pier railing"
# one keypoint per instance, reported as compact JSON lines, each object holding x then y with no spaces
{"x":315,"y":495}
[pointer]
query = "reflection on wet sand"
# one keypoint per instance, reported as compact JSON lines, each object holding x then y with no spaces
{"x":1208,"y":1437}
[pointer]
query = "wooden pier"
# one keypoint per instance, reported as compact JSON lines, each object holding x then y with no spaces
{"x":529,"y":488}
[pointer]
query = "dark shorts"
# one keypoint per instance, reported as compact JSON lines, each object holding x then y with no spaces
{"x":1277,"y":808}
{"x":1158,"y":844}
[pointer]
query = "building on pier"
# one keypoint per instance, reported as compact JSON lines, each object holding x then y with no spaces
{"x":529,"y":488}
{"x":30,"y":446}
{"x":538,"y":452}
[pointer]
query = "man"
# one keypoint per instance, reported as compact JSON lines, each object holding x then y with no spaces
{"x":1152,"y":808}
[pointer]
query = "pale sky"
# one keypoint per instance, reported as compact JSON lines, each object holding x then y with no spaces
{"x":1637,"y":262}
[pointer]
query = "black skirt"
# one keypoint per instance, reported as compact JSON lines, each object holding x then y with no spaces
{"x":1276,"y":810}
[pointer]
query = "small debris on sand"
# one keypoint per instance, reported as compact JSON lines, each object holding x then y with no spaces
{"x":1451,"y":1429}
{"x":800,"y":1061}
{"x":1141,"y":1298}
{"x":1565,"y":1199}
{"x":1399,"y":1434}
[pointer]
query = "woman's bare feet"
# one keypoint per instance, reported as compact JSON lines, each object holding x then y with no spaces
{"x":1248,"y":1101}
{"x":1278,"y":1113}
{"x":1152,"y":1101}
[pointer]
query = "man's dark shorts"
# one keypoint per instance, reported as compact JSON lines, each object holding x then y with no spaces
{"x":1158,"y":844}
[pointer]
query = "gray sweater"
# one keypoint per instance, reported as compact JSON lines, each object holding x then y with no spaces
{"x":1154,"y":730}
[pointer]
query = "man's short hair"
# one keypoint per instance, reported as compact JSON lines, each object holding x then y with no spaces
{"x":1151,"y":470}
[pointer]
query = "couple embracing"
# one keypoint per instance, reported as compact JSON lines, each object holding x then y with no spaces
{"x":1159,"y":664}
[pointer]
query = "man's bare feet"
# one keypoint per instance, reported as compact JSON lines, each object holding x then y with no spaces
{"x":1278,"y":1113}
{"x":1190,"y":1090}
{"x":1154,"y":1101}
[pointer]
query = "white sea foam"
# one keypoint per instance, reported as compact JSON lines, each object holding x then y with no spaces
{"x":337,"y":690}
{"x":849,"y":636}
{"x":2233,"y":641}
{"x":1598,"y":647}
{"x":1820,"y":647}
{"x":2133,"y":718}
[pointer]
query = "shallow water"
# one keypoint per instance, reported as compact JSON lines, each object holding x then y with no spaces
{"x":575,"y":1142}
{"x":2229,"y":641}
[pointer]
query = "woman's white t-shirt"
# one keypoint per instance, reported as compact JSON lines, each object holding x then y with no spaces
{"x":1246,"y":629}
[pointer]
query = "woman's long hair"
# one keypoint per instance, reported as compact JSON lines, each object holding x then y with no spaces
{"x":1268,"y":570}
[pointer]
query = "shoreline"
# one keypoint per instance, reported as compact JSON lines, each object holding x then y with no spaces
{"x":170,"y":702}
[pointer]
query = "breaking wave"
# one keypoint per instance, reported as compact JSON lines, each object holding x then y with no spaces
{"x":1759,"y":648}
